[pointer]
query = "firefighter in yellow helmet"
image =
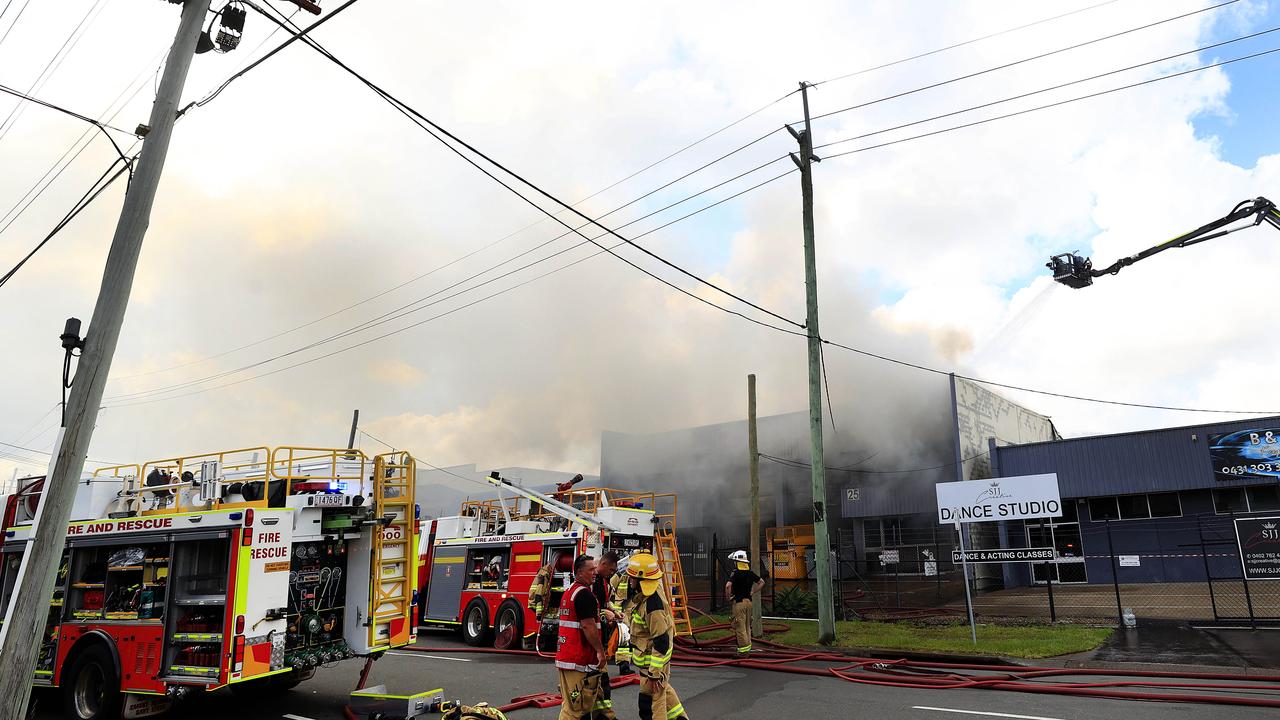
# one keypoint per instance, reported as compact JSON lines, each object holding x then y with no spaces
{"x":652,"y":639}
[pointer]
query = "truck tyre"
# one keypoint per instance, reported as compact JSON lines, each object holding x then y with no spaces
{"x":508,"y":627}
{"x":475,"y":623}
{"x":91,"y":686}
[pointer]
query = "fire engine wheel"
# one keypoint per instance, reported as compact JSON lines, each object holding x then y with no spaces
{"x":91,"y":686}
{"x":508,"y":628}
{"x":475,"y":623}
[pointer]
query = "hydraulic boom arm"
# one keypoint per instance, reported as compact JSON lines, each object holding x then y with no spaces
{"x":1077,"y":272}
{"x":550,"y":503}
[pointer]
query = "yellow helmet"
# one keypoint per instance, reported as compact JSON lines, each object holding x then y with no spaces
{"x":644,"y":567}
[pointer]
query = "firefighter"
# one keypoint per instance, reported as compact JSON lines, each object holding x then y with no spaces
{"x":741,"y":585}
{"x":652,"y":639}
{"x":617,"y":598}
{"x":609,"y":613}
{"x":580,"y":657}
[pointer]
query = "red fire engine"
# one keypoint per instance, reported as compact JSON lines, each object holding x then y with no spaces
{"x":244,"y":568}
{"x":478,"y":565}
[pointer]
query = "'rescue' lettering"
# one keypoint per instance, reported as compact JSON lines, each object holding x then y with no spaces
{"x":260,"y":553}
{"x":107,"y":526}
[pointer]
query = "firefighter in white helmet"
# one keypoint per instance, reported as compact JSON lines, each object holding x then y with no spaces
{"x":652,"y":639}
{"x":741,"y":586}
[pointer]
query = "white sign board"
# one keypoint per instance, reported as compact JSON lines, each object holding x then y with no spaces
{"x":1130,"y":561}
{"x":888,"y":557}
{"x":1011,"y":498}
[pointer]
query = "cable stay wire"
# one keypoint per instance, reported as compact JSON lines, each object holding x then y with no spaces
{"x":436,"y":131}
{"x":1130,"y":86}
{"x":54,"y":63}
{"x":1025,"y":60}
{"x":31,"y":98}
{"x":129,"y":398}
{"x":1006,"y":31}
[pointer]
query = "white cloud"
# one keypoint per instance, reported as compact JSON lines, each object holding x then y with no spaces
{"x":296,"y":193}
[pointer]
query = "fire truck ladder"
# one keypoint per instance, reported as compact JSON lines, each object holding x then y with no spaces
{"x":393,"y":569}
{"x":664,"y":541}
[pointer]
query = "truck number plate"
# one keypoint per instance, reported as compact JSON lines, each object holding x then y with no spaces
{"x":331,"y":500}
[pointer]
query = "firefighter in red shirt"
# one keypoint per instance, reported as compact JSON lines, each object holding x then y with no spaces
{"x":580,"y":657}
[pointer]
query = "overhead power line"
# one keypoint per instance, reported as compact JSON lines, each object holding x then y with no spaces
{"x":860,"y":471}
{"x":98,"y":187}
{"x":54,"y":63}
{"x":436,"y":131}
{"x":1025,"y":60}
{"x":134,"y":398}
{"x":16,"y":18}
{"x":1047,"y":106}
{"x":1006,"y":31}
{"x":288,"y":25}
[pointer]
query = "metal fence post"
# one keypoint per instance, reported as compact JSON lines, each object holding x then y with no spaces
{"x":1208,"y":577}
{"x":1049,"y":569}
{"x":937,"y":563}
{"x":1244,"y":580}
{"x":715,"y":572}
{"x":1115,"y":574}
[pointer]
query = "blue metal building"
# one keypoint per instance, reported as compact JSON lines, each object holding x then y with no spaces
{"x":1145,"y":496}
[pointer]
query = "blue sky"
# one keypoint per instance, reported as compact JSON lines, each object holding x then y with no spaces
{"x":1248,"y":131}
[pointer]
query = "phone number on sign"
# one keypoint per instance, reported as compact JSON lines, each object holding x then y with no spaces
{"x":1249,"y":469}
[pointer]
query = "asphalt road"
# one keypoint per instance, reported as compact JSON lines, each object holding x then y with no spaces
{"x":706,"y":693}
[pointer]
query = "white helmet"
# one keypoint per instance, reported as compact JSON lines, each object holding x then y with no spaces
{"x":738,"y":556}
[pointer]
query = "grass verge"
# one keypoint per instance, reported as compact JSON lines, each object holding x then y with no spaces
{"x":1020,"y":641}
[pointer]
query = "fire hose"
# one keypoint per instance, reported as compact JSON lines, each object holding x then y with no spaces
{"x":915,"y":674}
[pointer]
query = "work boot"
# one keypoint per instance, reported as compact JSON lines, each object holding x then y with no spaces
{"x":624,"y":668}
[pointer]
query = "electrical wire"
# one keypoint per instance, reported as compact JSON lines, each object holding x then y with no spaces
{"x":98,"y":187}
{"x":436,"y":131}
{"x":41,"y":452}
{"x":962,"y":44}
{"x":16,"y":18}
{"x":54,"y":63}
{"x":1059,"y":87}
{"x":1032,"y":58}
{"x":860,"y":471}
{"x":236,"y":76}
{"x":419,"y":323}
{"x":1049,"y":393}
{"x":30,"y":98}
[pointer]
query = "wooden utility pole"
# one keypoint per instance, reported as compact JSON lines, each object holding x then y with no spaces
{"x":757,"y":627}
{"x":355,"y":423}
{"x":25,"y":621}
{"x":822,"y":551}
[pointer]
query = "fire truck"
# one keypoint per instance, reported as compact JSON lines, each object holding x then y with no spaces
{"x":477,"y":566}
{"x":245,"y":568}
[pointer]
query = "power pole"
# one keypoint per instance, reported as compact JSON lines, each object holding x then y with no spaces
{"x":822,"y":553}
{"x":757,"y":627}
{"x":24,"y":624}
{"x":355,"y":422}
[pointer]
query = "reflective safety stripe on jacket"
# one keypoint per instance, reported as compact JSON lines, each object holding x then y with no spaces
{"x":652,"y":636}
{"x":573,"y":652}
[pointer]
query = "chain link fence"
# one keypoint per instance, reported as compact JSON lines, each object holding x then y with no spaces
{"x":1185,"y":569}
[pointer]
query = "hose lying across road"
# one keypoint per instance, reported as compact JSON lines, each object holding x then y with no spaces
{"x":1214,"y":688}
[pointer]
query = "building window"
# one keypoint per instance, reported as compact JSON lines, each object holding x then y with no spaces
{"x":882,"y":532}
{"x":1229,"y":500}
{"x":1104,"y":508}
{"x":1165,"y":505}
{"x":1262,"y":498}
{"x":1133,"y":507}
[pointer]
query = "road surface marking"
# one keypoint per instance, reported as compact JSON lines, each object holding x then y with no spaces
{"x":979,"y":712}
{"x":433,"y":657}
{"x":295,"y":717}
